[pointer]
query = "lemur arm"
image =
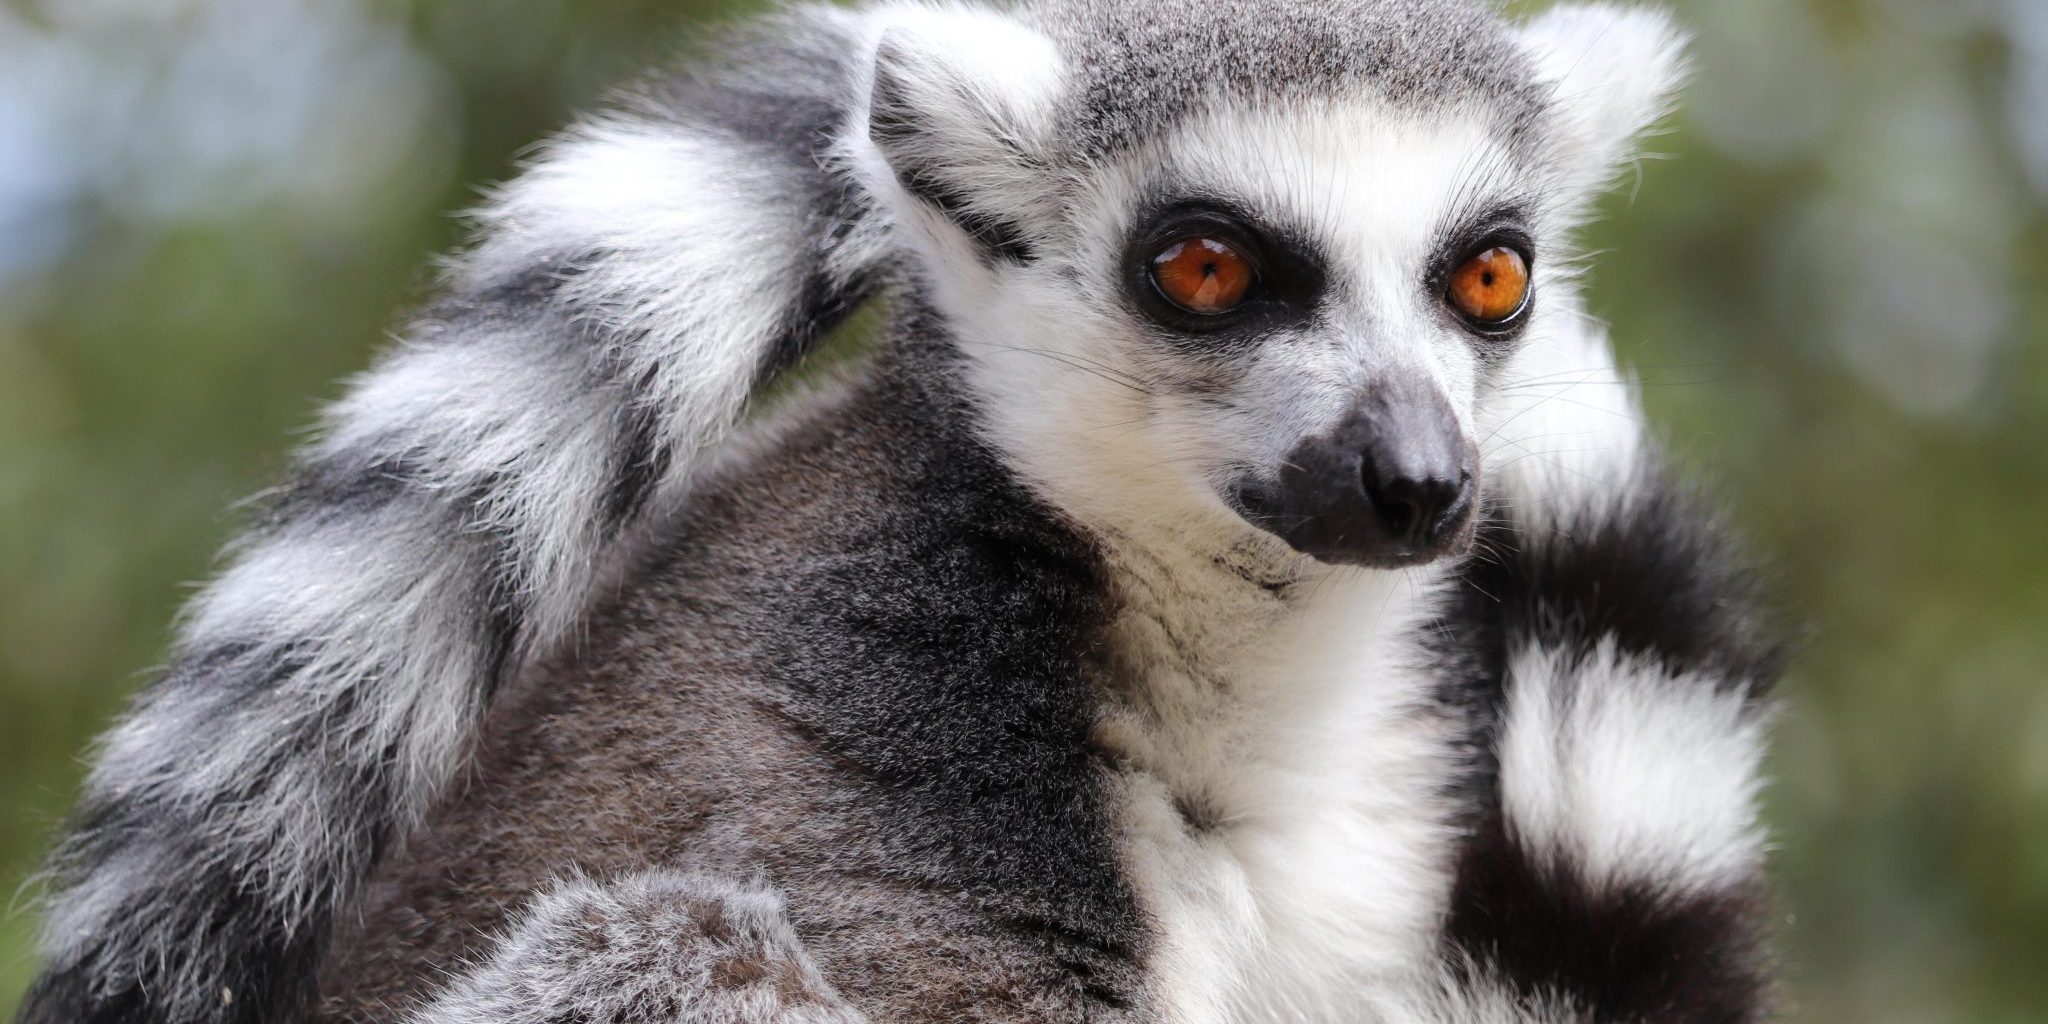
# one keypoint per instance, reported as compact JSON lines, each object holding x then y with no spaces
{"x":653,"y":948}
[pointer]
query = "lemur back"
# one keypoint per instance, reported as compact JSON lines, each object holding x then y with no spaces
{"x":1239,"y":586}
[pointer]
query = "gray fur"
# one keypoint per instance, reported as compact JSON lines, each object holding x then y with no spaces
{"x":997,"y":727}
{"x":833,"y":666}
{"x":1141,"y":67}
{"x":654,"y":948}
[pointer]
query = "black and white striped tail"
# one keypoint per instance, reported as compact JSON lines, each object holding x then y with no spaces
{"x":628,"y":292}
{"x":1614,"y":870}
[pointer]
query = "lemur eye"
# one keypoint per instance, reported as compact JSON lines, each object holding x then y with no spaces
{"x":1202,"y":275}
{"x":1491,"y":286}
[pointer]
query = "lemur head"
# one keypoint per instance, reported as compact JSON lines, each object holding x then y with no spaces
{"x":1253,"y":268}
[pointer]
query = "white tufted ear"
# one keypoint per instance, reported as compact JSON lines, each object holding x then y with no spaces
{"x":1612,"y":71}
{"x":960,"y":113}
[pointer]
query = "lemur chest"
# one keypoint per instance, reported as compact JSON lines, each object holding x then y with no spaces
{"x":1282,"y":808}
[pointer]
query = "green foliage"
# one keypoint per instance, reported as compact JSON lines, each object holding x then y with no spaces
{"x":1832,"y":293}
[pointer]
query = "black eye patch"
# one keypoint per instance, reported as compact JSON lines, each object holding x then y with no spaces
{"x":1209,"y":277}
{"x":1498,"y":232}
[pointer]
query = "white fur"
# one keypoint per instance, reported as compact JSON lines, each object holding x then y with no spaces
{"x":302,"y":584}
{"x":1631,"y":774}
{"x":983,"y":87}
{"x":1562,"y":431}
{"x":1612,"y":70}
{"x":1304,"y":732}
{"x":690,"y":239}
{"x":1564,"y":427}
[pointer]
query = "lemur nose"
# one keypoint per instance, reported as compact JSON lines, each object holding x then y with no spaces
{"x":1395,"y":482}
{"x":1415,"y":505}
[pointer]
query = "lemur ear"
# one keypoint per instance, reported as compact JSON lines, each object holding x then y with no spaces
{"x":960,"y":111}
{"x":1612,"y":71}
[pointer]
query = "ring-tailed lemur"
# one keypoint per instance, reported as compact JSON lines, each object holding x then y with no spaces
{"x":1238,"y":589}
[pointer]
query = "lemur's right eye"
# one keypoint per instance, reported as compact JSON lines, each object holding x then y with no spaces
{"x":1203,"y":275}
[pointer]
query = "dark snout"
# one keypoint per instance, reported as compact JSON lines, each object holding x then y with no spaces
{"x":1393,"y":484}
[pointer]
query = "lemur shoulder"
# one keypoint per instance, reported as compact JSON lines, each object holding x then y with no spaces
{"x":1239,"y":586}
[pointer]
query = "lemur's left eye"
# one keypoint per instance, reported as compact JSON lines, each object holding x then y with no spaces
{"x":1202,"y":275}
{"x":1491,"y":287}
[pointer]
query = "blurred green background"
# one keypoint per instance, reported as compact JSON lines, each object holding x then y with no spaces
{"x":211,"y":210}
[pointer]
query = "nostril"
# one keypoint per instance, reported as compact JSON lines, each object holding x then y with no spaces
{"x":1404,"y":510}
{"x":1412,"y":509}
{"x":1451,"y":508}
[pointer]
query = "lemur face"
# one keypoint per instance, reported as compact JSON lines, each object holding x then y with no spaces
{"x":1213,"y":290}
{"x":1312,"y":298}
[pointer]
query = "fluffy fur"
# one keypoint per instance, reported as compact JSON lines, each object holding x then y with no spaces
{"x":975,"y":667}
{"x":649,"y":947}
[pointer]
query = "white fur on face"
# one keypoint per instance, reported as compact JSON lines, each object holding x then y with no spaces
{"x":1082,"y":393}
{"x":1072,"y":382}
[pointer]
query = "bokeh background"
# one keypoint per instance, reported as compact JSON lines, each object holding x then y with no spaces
{"x":1833,"y":283}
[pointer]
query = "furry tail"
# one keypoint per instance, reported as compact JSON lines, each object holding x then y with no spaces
{"x":628,"y":293}
{"x":1615,"y":869}
{"x":1623,"y":655}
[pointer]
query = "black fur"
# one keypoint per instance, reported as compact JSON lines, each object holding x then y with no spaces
{"x":1665,"y":581}
{"x":1620,"y":956}
{"x":943,"y":659}
{"x":639,"y":461}
{"x":1655,"y":569}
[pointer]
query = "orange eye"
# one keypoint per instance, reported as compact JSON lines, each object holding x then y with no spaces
{"x":1202,"y":275}
{"x":1492,"y":286}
